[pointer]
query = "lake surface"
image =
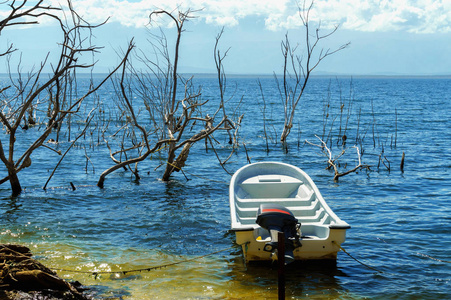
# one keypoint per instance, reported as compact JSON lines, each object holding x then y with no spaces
{"x":401,"y":221}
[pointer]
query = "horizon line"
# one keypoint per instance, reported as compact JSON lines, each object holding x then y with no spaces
{"x":321,"y":74}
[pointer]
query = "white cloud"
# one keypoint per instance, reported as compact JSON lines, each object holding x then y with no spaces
{"x":225,"y":13}
{"x":416,"y":16}
{"x":222,"y":21}
{"x":421,"y":16}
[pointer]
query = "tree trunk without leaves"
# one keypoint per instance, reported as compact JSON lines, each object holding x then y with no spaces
{"x":297,"y":69}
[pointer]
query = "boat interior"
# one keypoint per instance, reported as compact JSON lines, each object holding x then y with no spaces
{"x":287,"y":191}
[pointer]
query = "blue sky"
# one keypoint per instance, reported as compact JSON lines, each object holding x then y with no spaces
{"x":388,"y":37}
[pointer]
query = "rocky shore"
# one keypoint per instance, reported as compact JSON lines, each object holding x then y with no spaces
{"x":22,"y":277}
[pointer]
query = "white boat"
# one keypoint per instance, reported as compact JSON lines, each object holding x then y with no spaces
{"x":279,"y":196}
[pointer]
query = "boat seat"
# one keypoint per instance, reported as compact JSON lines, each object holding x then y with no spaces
{"x":298,"y":208}
{"x":255,"y":203}
{"x":270,"y":186}
{"x":320,"y":216}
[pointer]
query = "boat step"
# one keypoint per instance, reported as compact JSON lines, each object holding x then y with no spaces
{"x":287,"y":203}
{"x":296,"y":209}
{"x":320,"y":216}
{"x":296,"y":201}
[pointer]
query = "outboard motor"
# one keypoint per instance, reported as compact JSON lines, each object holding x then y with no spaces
{"x":277,"y":218}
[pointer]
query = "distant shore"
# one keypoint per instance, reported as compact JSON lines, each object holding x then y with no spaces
{"x":319,"y":75}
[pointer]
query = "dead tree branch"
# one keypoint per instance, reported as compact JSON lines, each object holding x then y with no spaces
{"x":297,"y":69}
{"x":332,"y":161}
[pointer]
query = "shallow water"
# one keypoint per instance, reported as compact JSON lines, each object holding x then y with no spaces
{"x":400,"y":221}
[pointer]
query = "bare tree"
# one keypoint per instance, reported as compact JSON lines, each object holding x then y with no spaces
{"x":37,"y":91}
{"x":297,"y":69}
{"x":175,"y":108}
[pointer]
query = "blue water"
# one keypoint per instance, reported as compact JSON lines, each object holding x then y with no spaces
{"x":400,"y":220}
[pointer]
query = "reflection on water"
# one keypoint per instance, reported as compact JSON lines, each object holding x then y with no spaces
{"x":303,"y":279}
{"x":11,"y":207}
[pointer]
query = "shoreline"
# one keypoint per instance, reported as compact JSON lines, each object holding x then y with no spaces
{"x":22,"y":276}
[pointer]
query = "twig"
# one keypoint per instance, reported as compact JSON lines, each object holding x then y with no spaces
{"x":70,"y":147}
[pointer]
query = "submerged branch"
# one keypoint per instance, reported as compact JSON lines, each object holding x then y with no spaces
{"x":332,"y":161}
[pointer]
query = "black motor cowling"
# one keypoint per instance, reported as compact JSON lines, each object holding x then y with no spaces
{"x":277,"y":218}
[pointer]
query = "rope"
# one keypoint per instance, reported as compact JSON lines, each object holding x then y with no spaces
{"x":374,"y":269}
{"x":95,"y":274}
{"x":148,"y":269}
{"x":430,"y":257}
{"x":363,"y":264}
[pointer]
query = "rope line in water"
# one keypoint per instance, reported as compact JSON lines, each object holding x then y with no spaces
{"x":148,"y":269}
{"x":363,"y":264}
{"x":430,"y":257}
{"x":96,"y":273}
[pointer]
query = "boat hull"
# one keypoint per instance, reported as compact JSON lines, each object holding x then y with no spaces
{"x":311,"y":249}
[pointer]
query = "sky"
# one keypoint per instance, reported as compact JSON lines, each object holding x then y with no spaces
{"x":387,"y":37}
